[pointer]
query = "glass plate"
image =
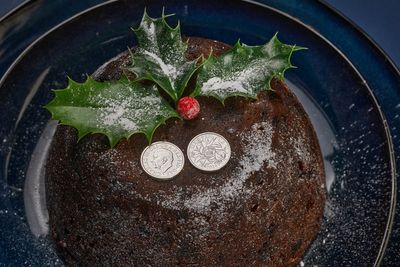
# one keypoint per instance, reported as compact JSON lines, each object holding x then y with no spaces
{"x":351,"y":126}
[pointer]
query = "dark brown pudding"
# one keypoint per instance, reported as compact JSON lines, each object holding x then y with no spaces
{"x":263,"y":209}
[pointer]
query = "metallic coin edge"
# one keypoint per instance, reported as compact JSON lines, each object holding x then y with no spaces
{"x":200,"y":168}
{"x":158,"y":177}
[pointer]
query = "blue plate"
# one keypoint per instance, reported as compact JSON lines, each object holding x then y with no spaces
{"x":350,"y":91}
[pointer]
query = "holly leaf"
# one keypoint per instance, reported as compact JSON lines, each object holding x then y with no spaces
{"x":160,"y":56}
{"x":244,"y":70}
{"x":117,"y":109}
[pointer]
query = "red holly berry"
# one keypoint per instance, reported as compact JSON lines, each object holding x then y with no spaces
{"x":188,"y":107}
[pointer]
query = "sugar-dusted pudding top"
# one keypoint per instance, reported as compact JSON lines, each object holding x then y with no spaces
{"x":263,"y":208}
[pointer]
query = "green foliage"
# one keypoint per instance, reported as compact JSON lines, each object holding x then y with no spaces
{"x":160,"y":56}
{"x":244,"y":70}
{"x":121,"y":108}
{"x":117,"y":109}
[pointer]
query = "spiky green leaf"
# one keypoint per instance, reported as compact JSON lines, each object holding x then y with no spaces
{"x":160,"y":56}
{"x":117,"y":109}
{"x":244,"y":70}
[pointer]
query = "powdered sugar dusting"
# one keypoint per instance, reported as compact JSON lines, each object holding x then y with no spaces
{"x":169,"y":70}
{"x":161,"y":56}
{"x":259,"y":148}
{"x":257,"y":153}
{"x":301,"y":148}
{"x":243,"y":81}
{"x":227,"y":59}
{"x":217,"y":84}
{"x":115,"y":116}
{"x":127,"y":112}
{"x":150,"y":29}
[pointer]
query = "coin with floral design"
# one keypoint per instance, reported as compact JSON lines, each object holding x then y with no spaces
{"x":209,"y":151}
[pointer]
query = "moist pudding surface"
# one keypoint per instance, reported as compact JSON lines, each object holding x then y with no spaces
{"x":263,"y":208}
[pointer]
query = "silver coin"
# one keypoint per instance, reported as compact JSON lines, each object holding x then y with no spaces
{"x":162,"y":160}
{"x":209,"y":151}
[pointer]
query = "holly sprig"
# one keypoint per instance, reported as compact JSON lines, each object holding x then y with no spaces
{"x":244,"y":70}
{"x":117,"y":109}
{"x":124,"y":107}
{"x":160,"y":56}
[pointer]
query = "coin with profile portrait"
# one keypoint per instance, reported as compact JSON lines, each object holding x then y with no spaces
{"x":162,"y":160}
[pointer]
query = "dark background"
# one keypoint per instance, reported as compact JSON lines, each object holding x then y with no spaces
{"x":380,"y":19}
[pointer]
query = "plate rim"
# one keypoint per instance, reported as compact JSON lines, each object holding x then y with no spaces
{"x":372,"y":43}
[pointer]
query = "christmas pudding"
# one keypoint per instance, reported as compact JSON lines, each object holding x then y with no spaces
{"x":263,"y":208}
